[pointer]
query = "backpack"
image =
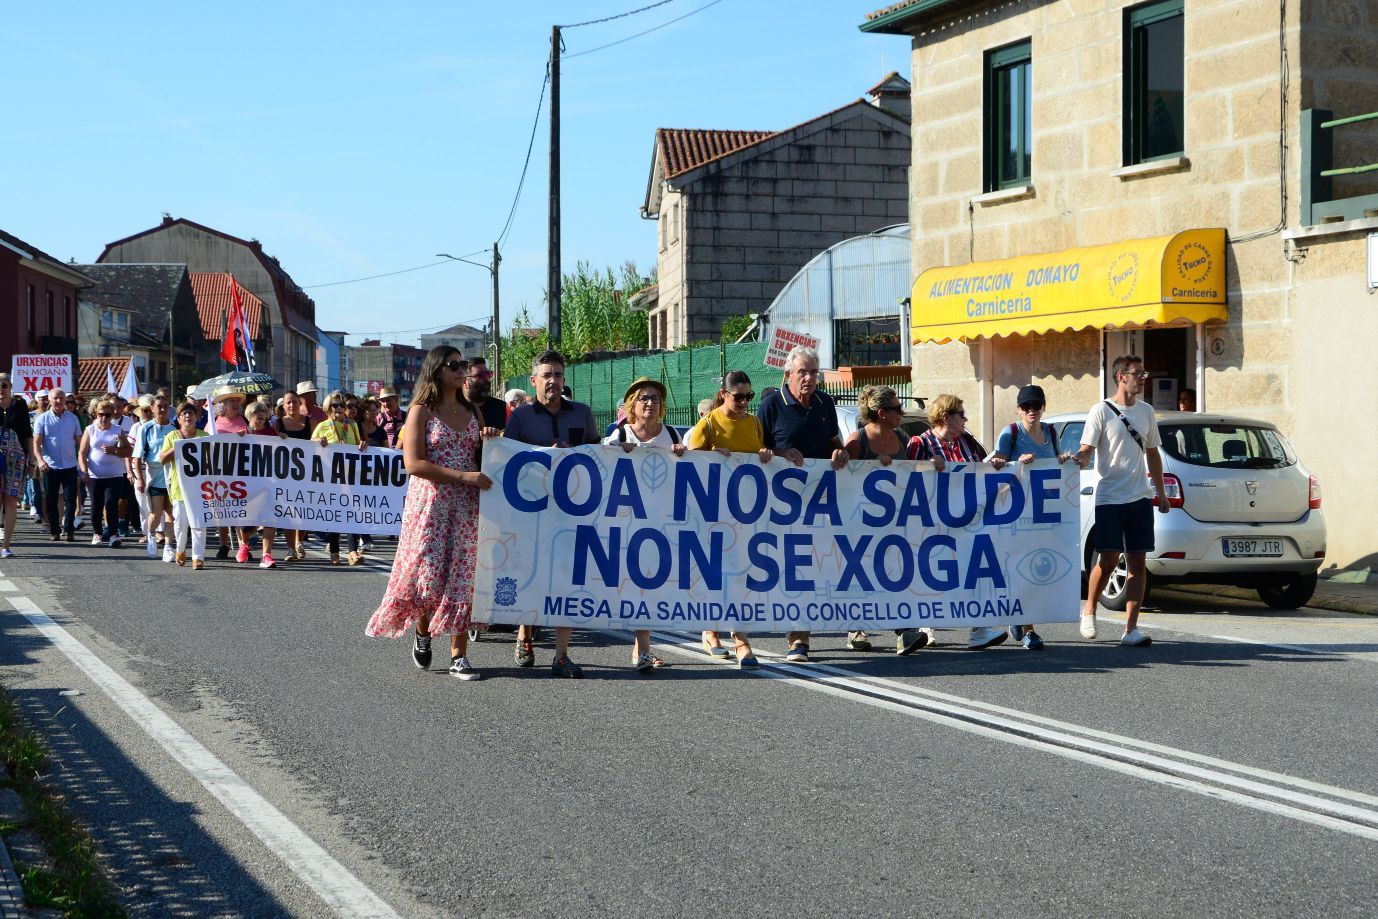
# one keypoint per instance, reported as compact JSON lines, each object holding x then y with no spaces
{"x":1048,"y":432}
{"x":622,"y":432}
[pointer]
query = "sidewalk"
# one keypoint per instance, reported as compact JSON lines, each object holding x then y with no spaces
{"x":1340,"y":592}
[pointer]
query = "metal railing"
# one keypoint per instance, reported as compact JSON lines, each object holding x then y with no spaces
{"x":1318,"y":170}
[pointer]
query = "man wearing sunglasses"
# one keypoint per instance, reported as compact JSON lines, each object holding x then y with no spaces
{"x":478,"y":386}
{"x":1123,"y":434}
{"x":550,"y":420}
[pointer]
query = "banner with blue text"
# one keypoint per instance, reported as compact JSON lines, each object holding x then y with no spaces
{"x":594,"y":537}
{"x":228,"y":480}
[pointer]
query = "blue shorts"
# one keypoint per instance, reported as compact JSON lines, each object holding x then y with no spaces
{"x":1125,"y":527}
{"x":155,"y":492}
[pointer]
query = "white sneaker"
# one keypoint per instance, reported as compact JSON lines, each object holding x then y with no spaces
{"x":1135,"y":639}
{"x":932,"y":637}
{"x":96,"y":540}
{"x":168,"y":555}
{"x":1088,"y":628}
{"x":461,"y":669}
{"x":985,"y":638}
{"x":152,"y":549}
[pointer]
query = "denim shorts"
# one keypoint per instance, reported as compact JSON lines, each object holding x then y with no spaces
{"x":155,"y":492}
{"x":1125,"y":527}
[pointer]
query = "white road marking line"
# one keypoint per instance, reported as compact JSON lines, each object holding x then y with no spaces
{"x":1119,"y":758}
{"x":345,"y":894}
{"x":1301,"y":649}
{"x":7,"y":587}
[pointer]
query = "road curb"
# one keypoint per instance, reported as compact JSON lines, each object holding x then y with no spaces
{"x":11,"y":893}
{"x":1334,"y":603}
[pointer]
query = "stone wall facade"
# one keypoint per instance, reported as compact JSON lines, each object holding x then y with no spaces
{"x":735,"y":231}
{"x":1287,"y":303}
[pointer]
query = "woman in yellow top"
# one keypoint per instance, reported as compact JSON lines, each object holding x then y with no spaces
{"x":730,"y":428}
{"x":187,"y":415}
{"x":338,"y":429}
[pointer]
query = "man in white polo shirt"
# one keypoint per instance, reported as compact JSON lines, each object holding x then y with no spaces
{"x":1123,"y":434}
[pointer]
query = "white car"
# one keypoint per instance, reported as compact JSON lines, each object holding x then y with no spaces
{"x":1244,"y":510}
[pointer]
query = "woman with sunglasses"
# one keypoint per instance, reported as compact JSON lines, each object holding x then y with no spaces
{"x":101,"y":456}
{"x":431,"y":587}
{"x":229,"y":419}
{"x":339,"y":428}
{"x":878,"y":437}
{"x":948,"y":441}
{"x":188,"y":416}
{"x":731,"y":428}
{"x":1026,"y":440}
{"x":644,"y":426}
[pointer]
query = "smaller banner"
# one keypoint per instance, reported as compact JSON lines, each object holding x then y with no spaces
{"x":35,"y":373}
{"x":228,"y":480}
{"x":782,"y":340}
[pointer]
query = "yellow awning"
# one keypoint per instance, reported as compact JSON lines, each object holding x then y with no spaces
{"x":1138,"y":282}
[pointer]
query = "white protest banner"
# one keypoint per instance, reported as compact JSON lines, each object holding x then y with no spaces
{"x":593,"y":537}
{"x":35,"y":373}
{"x":229,"y":480}
{"x":782,"y":340}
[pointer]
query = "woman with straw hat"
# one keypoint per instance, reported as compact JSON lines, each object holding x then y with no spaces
{"x":643,"y":426}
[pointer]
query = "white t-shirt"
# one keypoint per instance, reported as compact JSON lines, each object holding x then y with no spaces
{"x":660,"y":440}
{"x":1120,"y":462}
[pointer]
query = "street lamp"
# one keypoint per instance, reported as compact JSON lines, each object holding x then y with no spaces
{"x":493,"y":270}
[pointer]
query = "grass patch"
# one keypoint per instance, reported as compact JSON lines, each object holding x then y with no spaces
{"x":75,"y":884}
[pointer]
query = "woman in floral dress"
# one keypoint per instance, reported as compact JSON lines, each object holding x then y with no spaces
{"x":432,"y":583}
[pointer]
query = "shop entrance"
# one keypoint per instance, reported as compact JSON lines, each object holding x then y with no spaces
{"x":1170,"y":357}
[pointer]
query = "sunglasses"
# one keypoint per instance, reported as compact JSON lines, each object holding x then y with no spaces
{"x":742,"y":396}
{"x":1031,"y":407}
{"x":104,"y":415}
{"x":649,"y":400}
{"x":456,"y":366}
{"x":891,"y":408}
{"x":961,"y":414}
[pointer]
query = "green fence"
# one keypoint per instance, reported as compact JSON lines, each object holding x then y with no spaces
{"x":689,"y":376}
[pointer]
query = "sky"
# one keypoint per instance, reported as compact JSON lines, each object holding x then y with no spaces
{"x":360,"y":139}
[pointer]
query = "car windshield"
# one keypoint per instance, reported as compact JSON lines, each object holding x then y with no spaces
{"x":1227,"y":446}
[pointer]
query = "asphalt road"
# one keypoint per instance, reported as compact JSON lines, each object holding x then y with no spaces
{"x":1227,"y":771}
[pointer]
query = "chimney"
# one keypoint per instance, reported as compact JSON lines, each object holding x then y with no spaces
{"x":892,"y":94}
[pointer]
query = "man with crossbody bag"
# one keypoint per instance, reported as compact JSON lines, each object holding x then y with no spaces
{"x":1123,"y":433}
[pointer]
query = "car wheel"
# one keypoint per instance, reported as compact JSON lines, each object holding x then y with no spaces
{"x":1115,"y":595}
{"x":1291,"y":593}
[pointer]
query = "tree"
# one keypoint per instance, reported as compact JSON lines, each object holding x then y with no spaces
{"x":735,"y":328}
{"x":595,"y":315}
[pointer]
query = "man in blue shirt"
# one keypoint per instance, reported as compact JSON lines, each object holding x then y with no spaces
{"x":800,"y":422}
{"x":56,"y":436}
{"x":551,"y":420}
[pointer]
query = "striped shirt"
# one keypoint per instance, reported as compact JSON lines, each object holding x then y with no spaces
{"x":964,"y":449}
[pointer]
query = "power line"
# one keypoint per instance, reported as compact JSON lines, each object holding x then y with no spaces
{"x":594,"y":22}
{"x":388,"y":274}
{"x":647,"y":32}
{"x":535,"y":123}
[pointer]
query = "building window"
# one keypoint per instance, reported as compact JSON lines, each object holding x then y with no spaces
{"x":32,"y":317}
{"x":674,"y":223}
{"x":1009,"y":116}
{"x":52,"y":324}
{"x":1153,"y":82}
{"x":114,"y":323}
{"x":873,"y":342}
{"x":69,"y":316}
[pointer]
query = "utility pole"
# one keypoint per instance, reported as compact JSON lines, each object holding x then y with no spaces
{"x":552,"y":322}
{"x":497,"y":329}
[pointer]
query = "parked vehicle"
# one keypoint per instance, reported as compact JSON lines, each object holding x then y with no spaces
{"x":915,"y":417}
{"x":1244,"y":512}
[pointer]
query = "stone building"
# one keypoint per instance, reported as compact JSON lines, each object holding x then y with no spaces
{"x":739,"y":212}
{"x":290,"y":314}
{"x":147,"y":313}
{"x":1065,"y":157}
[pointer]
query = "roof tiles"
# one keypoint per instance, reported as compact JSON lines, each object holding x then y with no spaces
{"x":682,"y":149}
{"x":91,"y":377}
{"x":212,"y":292}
